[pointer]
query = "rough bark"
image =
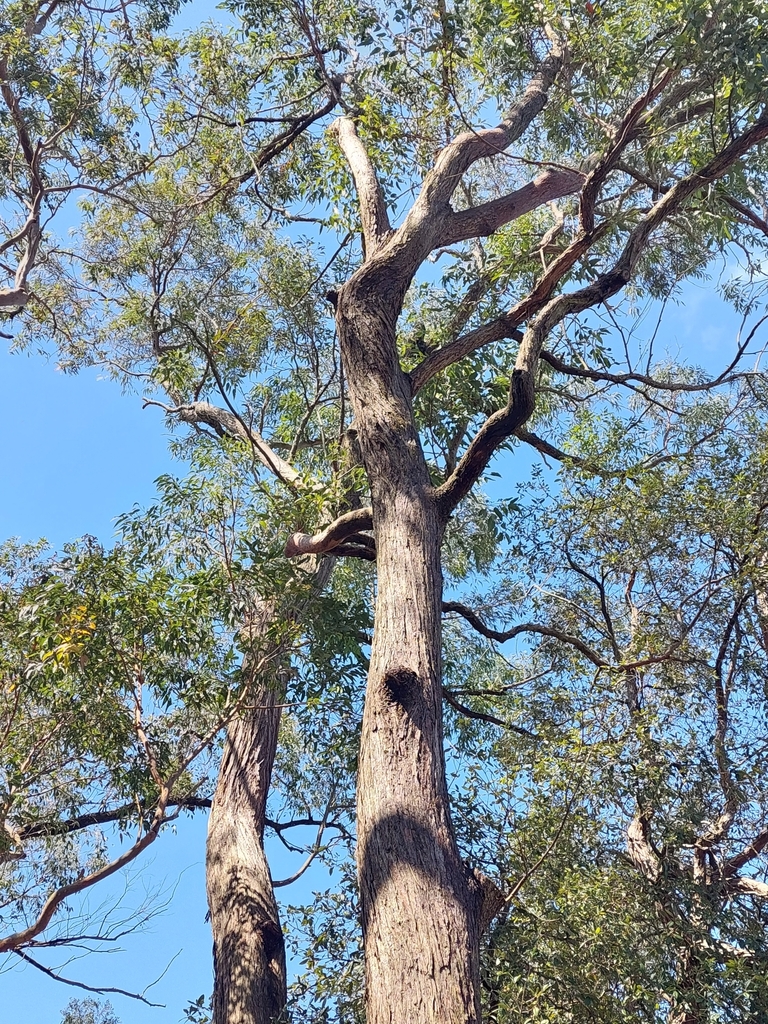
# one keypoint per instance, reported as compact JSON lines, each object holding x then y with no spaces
{"x":420,"y":905}
{"x":248,"y":946}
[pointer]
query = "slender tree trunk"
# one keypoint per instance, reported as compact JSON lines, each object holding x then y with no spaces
{"x":420,"y":904}
{"x":248,"y":947}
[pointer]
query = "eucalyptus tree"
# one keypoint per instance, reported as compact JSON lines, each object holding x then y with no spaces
{"x":646,"y":790}
{"x":60,"y":137}
{"x":371,"y":395}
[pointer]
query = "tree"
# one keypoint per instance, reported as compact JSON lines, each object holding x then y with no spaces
{"x":644,"y":125}
{"x":656,"y":568}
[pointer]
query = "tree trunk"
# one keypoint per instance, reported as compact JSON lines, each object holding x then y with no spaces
{"x":420,"y":904}
{"x":691,"y":1004}
{"x":248,"y":947}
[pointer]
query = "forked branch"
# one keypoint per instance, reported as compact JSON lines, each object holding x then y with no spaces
{"x":497,"y":429}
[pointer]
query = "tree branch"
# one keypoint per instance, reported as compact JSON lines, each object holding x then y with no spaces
{"x":491,"y":435}
{"x":501,"y":636}
{"x":630,"y":127}
{"x":640,"y":848}
{"x":224,"y":421}
{"x":506,"y":326}
{"x":284,"y":139}
{"x":43,"y":829}
{"x":80,"y":984}
{"x":21,"y":938}
{"x":483,"y":716}
{"x":13,"y":297}
{"x":543,"y":446}
{"x":370,"y":196}
{"x":489,"y":217}
{"x":522,"y":393}
{"x":456,"y":159}
{"x":726,"y":377}
{"x":747,"y":887}
{"x":752,"y":850}
{"x":346,"y":528}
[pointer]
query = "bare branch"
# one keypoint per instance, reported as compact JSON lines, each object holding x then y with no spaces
{"x":102,"y":990}
{"x":543,"y":446}
{"x":21,"y":938}
{"x":501,"y":636}
{"x":316,"y":849}
{"x":726,"y":377}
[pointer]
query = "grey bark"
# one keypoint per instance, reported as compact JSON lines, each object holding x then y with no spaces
{"x":248,"y":945}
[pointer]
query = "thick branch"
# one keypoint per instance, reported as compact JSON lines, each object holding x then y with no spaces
{"x":370,"y":196}
{"x":501,"y":424}
{"x":342,"y":529}
{"x":459,"y":155}
{"x":740,"y":860}
{"x":747,"y":887}
{"x":640,"y":848}
{"x":748,"y":215}
{"x":493,"y":433}
{"x":506,"y":326}
{"x":13,"y":297}
{"x":628,"y":130}
{"x":489,"y":217}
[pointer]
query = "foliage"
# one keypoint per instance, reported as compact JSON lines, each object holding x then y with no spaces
{"x":88,"y":1011}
